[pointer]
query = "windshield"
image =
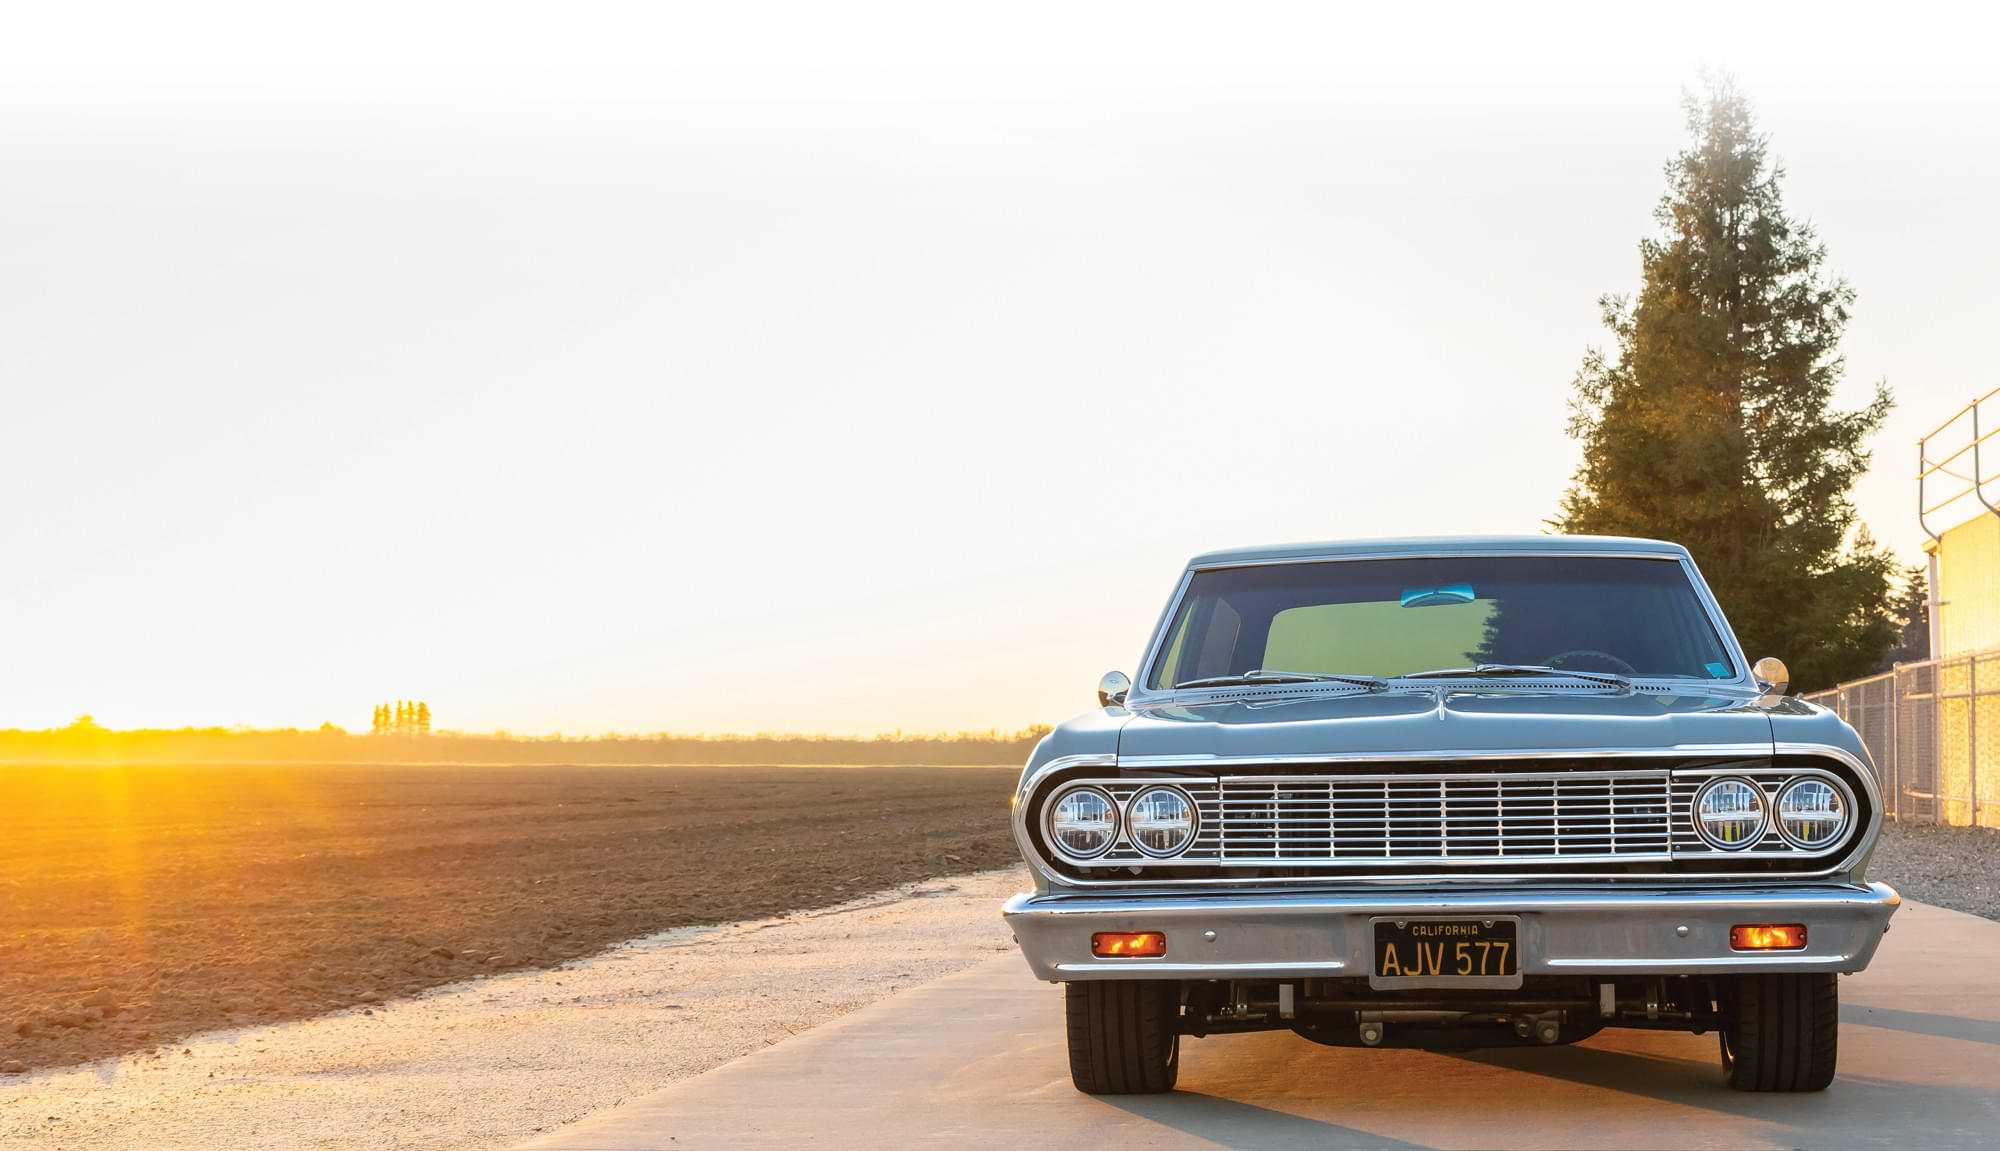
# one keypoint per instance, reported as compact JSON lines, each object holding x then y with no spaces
{"x":1632,"y":617}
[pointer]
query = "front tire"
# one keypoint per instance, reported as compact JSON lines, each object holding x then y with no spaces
{"x":1783,"y":1032}
{"x":1124,"y":1036}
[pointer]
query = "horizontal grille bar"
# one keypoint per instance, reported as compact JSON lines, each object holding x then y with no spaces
{"x":1445,"y":819}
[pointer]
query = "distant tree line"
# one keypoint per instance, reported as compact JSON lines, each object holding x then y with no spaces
{"x":81,"y":743}
{"x":403,"y":719}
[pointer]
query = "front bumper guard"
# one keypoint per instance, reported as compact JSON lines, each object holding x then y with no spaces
{"x":1625,"y":931}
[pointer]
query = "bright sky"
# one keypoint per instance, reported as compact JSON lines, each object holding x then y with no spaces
{"x":846,"y":367}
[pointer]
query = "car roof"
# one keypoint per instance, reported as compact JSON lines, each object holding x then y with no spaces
{"x":1441,"y":546}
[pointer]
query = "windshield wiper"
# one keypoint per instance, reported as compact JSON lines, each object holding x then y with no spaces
{"x":1265,"y":675}
{"x":1503,"y":670}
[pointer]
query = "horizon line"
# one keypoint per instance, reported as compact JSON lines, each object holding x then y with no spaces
{"x":86,"y":727}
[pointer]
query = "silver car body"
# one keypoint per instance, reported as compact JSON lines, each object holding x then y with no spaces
{"x":1576,"y":916}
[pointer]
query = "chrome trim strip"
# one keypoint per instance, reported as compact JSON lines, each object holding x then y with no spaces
{"x":1392,"y":777}
{"x":1648,"y":897}
{"x":1682,"y":750}
{"x":1310,"y":967}
{"x":1763,"y":959}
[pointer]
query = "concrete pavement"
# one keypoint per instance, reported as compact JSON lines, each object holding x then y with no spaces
{"x":976,"y":1060}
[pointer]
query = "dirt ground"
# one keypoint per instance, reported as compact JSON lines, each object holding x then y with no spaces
{"x":139,"y":905}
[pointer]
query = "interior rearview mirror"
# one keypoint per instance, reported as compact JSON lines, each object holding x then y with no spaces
{"x":1112,"y":688}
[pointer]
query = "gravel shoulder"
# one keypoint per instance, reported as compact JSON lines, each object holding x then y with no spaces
{"x":490,"y":1062}
{"x":1954,"y":867}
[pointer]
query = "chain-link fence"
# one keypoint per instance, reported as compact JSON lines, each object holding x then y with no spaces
{"x":1933,"y":730}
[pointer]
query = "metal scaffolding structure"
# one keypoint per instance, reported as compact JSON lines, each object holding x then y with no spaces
{"x":1966,"y":485}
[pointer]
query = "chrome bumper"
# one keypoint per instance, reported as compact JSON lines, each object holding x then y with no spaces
{"x":1622,"y":931}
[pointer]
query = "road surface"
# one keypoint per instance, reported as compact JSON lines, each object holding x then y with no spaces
{"x":976,"y":1060}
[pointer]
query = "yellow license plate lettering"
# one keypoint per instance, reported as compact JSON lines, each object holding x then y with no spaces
{"x":1437,"y":949}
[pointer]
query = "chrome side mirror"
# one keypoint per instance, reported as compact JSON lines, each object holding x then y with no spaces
{"x":1772,"y":675}
{"x":1112,"y":688}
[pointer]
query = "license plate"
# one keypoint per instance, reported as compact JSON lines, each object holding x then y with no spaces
{"x":1482,"y":952}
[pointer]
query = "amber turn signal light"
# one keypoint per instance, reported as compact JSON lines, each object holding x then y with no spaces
{"x":1128,"y":944}
{"x":1768,"y":936}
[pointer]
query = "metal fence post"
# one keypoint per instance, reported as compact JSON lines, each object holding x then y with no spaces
{"x":1937,"y":744}
{"x":1972,"y":737}
{"x":1895,"y":780}
{"x":1973,"y":720}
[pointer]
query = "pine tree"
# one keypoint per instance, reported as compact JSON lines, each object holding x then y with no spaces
{"x":1912,"y":614}
{"x":380,"y":720}
{"x":402,"y":717}
{"x":1713,"y":425}
{"x":423,"y":718}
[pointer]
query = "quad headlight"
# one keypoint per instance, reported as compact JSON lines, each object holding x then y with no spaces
{"x":1812,"y":813}
{"x":1161,"y":821}
{"x":1729,"y":814}
{"x":1083,"y":823}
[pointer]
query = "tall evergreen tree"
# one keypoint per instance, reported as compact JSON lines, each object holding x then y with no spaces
{"x":1912,"y":612}
{"x":1713,"y":424}
{"x":423,"y":718}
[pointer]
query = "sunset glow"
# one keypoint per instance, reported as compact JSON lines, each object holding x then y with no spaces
{"x":781,"y":377}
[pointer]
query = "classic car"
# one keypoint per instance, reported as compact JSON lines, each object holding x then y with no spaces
{"x":1448,"y":794}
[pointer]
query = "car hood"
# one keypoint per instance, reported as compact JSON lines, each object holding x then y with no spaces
{"x":1442,"y":722}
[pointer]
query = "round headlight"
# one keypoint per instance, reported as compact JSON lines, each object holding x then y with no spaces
{"x":1161,"y":821}
{"x":1083,"y":823}
{"x":1729,"y":814}
{"x":1811,"y":813}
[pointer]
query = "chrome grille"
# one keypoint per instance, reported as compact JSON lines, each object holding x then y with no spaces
{"x":1396,"y":820}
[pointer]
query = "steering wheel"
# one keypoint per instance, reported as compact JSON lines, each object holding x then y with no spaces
{"x":1623,"y":667}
